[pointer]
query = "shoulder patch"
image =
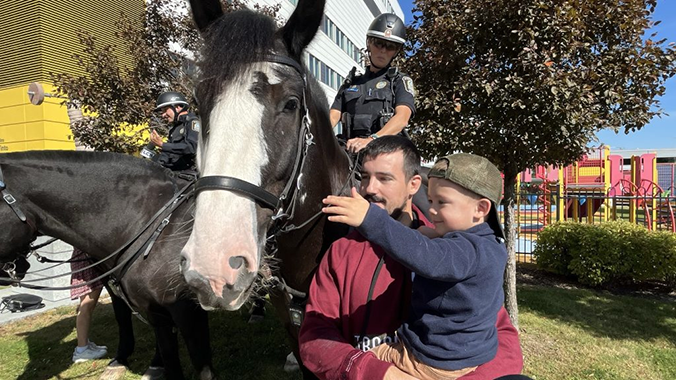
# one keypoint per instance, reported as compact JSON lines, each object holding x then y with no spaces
{"x":408,"y":84}
{"x":195,"y":125}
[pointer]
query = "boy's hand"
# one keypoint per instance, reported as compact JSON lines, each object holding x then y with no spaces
{"x":349,"y":210}
{"x":429,"y":232}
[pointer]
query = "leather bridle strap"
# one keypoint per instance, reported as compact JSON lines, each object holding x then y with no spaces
{"x":10,"y":200}
{"x":263,"y":197}
{"x":260,"y":195}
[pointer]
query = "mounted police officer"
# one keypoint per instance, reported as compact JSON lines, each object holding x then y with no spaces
{"x":178,"y":153}
{"x":381,"y":101}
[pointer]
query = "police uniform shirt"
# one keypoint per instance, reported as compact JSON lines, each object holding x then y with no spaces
{"x":178,"y":153}
{"x":369,"y":94}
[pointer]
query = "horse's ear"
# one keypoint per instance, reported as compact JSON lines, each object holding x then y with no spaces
{"x":302,"y":26}
{"x":204,"y":12}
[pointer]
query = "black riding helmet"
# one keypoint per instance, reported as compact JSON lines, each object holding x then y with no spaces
{"x":172,"y":99}
{"x":389,"y":27}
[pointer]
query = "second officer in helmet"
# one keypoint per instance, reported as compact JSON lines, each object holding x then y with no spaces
{"x":381,"y":101}
{"x":178,"y":152}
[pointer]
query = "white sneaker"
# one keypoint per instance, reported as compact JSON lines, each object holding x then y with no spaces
{"x":89,"y":353}
{"x":95,"y":346}
{"x":291,"y":364}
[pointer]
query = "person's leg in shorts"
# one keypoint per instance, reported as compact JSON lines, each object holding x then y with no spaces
{"x":89,"y":297}
{"x":403,"y":359}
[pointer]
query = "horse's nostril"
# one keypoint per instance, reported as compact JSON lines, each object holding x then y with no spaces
{"x":185,"y":263}
{"x":236,"y":262}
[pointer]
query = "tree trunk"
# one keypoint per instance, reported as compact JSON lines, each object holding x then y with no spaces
{"x":510,"y":235}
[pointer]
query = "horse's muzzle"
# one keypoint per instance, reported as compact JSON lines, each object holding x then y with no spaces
{"x":216,"y":293}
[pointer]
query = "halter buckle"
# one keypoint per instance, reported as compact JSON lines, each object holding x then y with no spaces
{"x":9,"y":199}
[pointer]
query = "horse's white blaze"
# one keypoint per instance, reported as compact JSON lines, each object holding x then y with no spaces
{"x":225,"y":222}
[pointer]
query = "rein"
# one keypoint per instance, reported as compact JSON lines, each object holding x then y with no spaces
{"x":173,"y":203}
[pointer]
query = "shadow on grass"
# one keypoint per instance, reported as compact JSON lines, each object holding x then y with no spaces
{"x":240,"y":350}
{"x":601,"y":313}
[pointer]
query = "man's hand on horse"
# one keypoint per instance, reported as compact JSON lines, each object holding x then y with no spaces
{"x":156,"y":138}
{"x":349,"y":210}
{"x":358,"y":143}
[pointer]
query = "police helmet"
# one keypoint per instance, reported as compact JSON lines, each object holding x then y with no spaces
{"x":171,"y":98}
{"x":389,"y":27}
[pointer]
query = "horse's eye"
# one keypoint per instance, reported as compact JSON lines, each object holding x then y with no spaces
{"x":291,"y":105}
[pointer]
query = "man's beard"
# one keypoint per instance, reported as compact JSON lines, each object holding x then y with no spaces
{"x":395,"y":213}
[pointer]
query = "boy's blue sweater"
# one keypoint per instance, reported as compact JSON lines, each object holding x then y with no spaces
{"x":457,"y":290}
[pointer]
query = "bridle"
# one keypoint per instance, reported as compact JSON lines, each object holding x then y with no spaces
{"x":11,"y":202}
{"x":283,"y":211}
{"x":179,"y":198}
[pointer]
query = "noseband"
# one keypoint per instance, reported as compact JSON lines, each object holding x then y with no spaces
{"x":263,"y":197}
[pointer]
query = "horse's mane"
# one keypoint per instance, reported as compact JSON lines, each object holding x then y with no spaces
{"x":84,"y":158}
{"x":234,"y":42}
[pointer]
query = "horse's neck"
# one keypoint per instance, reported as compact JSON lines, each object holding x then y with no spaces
{"x":94,"y":207}
{"x":334,"y":160}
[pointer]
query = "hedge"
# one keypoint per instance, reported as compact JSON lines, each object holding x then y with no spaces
{"x":606,"y":253}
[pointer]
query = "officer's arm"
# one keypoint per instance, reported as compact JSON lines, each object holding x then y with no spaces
{"x":402,"y":114}
{"x":334,"y":115}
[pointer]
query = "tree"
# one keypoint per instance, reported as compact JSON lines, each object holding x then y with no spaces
{"x":530,"y":82}
{"x":117,"y":96}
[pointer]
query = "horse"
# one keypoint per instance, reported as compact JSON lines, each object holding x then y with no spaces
{"x":101,"y":202}
{"x":267,"y":156}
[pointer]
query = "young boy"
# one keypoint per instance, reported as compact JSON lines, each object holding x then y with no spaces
{"x":457,"y":289}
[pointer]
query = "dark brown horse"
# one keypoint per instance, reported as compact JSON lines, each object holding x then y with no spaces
{"x":100,"y":202}
{"x":267,"y":156}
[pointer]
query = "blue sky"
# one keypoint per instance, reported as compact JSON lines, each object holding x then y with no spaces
{"x":660,"y":132}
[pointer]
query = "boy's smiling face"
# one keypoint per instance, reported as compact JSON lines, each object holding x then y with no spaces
{"x":453,"y":208}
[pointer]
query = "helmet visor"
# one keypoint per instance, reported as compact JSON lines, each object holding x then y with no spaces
{"x":383,"y":44}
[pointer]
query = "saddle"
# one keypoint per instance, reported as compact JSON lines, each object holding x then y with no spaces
{"x":21,"y":302}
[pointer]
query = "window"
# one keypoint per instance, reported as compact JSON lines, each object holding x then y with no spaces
{"x":339,"y":38}
{"x":322,"y":72}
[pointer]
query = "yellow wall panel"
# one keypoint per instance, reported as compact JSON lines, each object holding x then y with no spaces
{"x":35,"y":145}
{"x":13,"y":96}
{"x":33,"y":113}
{"x":55,"y":112}
{"x":35,"y":131}
{"x":13,"y":115}
{"x":12,"y":133}
{"x":57,"y":132}
{"x":58,"y":145}
{"x":13,"y":147}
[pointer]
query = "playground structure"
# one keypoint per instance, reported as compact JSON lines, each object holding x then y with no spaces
{"x":597,"y":188}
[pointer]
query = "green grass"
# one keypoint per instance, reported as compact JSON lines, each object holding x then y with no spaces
{"x":565,"y":334}
{"x":583,"y":334}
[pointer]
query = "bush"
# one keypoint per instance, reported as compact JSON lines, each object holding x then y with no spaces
{"x":611,"y":252}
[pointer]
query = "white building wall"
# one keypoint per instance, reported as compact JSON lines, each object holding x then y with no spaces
{"x":352,"y":17}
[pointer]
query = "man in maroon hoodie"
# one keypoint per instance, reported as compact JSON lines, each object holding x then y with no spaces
{"x":360,"y":296}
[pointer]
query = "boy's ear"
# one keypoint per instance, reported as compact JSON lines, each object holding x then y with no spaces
{"x":483,"y":208}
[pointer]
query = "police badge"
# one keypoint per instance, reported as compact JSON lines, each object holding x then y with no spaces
{"x":408,"y":84}
{"x":381,"y":84}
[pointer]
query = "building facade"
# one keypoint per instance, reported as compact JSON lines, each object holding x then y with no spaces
{"x":341,"y":38}
{"x":41,"y":38}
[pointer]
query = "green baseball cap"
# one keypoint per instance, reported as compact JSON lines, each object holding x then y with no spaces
{"x":478,"y":175}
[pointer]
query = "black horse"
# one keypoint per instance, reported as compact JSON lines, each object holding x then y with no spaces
{"x":267,"y":157}
{"x":98,"y":202}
